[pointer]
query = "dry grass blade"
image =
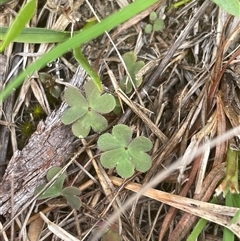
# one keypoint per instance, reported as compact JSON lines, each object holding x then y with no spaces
{"x":177,"y":43}
{"x":143,"y":117}
{"x":181,"y":107}
{"x":212,"y":212}
{"x":65,"y":18}
{"x":58,"y":231}
{"x":173,"y":211}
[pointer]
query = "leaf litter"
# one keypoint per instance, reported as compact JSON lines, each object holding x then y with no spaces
{"x":184,"y":97}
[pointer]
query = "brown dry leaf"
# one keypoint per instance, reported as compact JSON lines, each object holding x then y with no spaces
{"x":35,"y":229}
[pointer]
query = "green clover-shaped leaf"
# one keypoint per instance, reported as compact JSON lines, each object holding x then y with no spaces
{"x":86,"y":113}
{"x":133,"y":68}
{"x":156,"y":24}
{"x":51,"y":192}
{"x":122,"y":152}
{"x":118,"y":108}
{"x":153,"y":16}
{"x":74,"y":201}
{"x":70,"y":193}
{"x":56,"y":189}
{"x":148,"y":29}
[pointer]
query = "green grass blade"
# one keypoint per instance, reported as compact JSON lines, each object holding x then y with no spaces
{"x":236,"y":217}
{"x":24,"y":15}
{"x":180,"y":3}
{"x":4,"y":1}
{"x":37,"y":35}
{"x":227,"y":234}
{"x":41,"y":35}
{"x":79,"y":39}
{"x":88,"y":68}
{"x":199,"y":226}
{"x":230,"y":6}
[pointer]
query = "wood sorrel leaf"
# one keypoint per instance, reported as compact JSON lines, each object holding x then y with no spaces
{"x":108,"y":142}
{"x":72,"y":114}
{"x":123,"y":134}
{"x":100,"y":103}
{"x":125,"y":168}
{"x":148,"y":29}
{"x":141,"y":160}
{"x":97,"y":121}
{"x":152,"y":16}
{"x":158,"y":25}
{"x":111,"y":159}
{"x":85,"y":113}
{"x":56,"y":188}
{"x":81,"y":127}
{"x":129,"y":59}
{"x":124,"y":154}
{"x":71,"y":191}
{"x":58,"y":184}
{"x":141,"y":143}
{"x":73,"y":201}
{"x":51,"y":192}
{"x":74,"y":97}
{"x":133,"y":67}
{"x":104,"y":104}
{"x":52,"y":172}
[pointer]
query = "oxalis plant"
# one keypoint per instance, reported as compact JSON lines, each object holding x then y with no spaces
{"x":123,"y":152}
{"x":119,"y":149}
{"x":56,"y":190}
{"x":133,"y":67}
{"x":86,"y":112}
{"x":156,"y":24}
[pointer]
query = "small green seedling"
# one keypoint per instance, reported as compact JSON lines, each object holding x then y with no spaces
{"x":56,"y":190}
{"x":156,"y":24}
{"x":122,"y":152}
{"x":133,"y":67}
{"x":86,"y":113}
